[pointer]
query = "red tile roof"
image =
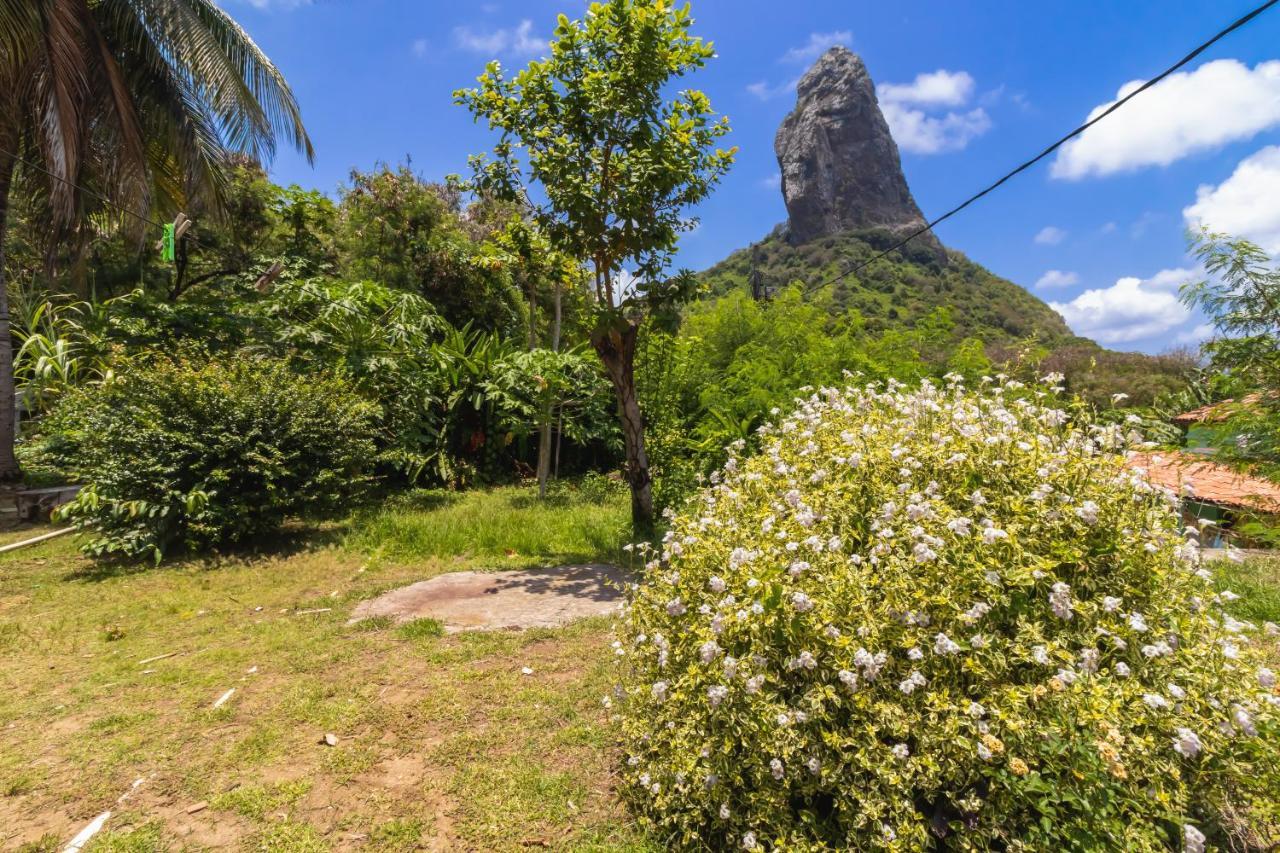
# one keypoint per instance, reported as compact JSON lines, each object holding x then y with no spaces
{"x":1208,"y":481}
{"x":1215,"y":412}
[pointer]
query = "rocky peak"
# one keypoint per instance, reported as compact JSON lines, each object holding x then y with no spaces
{"x":839,"y":163}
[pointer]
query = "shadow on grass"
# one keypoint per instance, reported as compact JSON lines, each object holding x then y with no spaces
{"x":296,"y":537}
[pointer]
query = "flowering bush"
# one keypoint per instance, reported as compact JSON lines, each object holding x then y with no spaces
{"x":939,"y":617}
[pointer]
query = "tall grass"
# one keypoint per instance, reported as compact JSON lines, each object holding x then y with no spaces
{"x":1257,"y":582}
{"x":508,"y":526}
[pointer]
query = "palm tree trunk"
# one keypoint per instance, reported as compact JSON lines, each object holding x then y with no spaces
{"x":9,"y":470}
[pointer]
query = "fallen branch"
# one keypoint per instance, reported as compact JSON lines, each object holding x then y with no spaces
{"x":223,"y":698}
{"x":158,"y":657}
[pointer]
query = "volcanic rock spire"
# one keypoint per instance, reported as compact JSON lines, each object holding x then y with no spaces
{"x":839,"y":163}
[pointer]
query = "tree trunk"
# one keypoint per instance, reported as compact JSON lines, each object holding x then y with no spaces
{"x":544,"y":427}
{"x":9,"y":471}
{"x":617,"y":349}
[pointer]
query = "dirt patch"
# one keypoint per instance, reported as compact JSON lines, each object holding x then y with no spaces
{"x":538,"y":598}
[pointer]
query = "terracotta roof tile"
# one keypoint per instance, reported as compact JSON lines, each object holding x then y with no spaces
{"x":1208,"y":481}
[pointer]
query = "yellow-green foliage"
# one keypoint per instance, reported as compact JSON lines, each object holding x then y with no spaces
{"x":939,"y":617}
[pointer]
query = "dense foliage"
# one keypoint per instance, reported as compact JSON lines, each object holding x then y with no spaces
{"x":939,"y":618}
{"x":189,"y":454}
{"x":898,"y":289}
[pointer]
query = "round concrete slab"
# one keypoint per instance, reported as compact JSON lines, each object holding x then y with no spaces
{"x":537,"y":598}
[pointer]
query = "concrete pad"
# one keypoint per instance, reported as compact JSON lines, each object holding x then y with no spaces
{"x":536,"y":598}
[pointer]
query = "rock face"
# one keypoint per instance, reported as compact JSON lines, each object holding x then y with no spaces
{"x":840,"y":165}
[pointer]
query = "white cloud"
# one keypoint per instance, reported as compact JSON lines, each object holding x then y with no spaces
{"x":1132,"y":309}
{"x":420,"y":47}
{"x":772,"y":182}
{"x":765,"y":92}
{"x":1170,"y":281}
{"x":1244,"y":205}
{"x":1220,"y":102}
{"x":940,"y":88}
{"x":1056,"y":278}
{"x":906,"y":108}
{"x":1108,"y":228}
{"x":817,"y":45}
{"x":1050,"y":235}
{"x":515,"y":41}
{"x":919,"y":133}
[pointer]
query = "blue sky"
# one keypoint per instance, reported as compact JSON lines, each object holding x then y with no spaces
{"x":971,"y":89}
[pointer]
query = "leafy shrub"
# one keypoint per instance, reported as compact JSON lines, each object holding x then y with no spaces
{"x":941,"y":619}
{"x":185,"y":454}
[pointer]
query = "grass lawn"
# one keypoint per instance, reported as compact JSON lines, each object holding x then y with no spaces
{"x":442,"y":742}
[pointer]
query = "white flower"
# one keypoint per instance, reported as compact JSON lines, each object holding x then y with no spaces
{"x":992,"y":578}
{"x":815,"y":765}
{"x":716,"y":584}
{"x":901,"y":751}
{"x":977,"y":611}
{"x":848,"y":678}
{"x":984,"y":752}
{"x":716,"y":694}
{"x":1060,"y":600}
{"x":1244,"y":722}
{"x":923,"y":553}
{"x":1089,"y":661}
{"x":1110,"y":603}
{"x":1187,"y":743}
{"x":1088,"y":512}
{"x":754,"y":683}
{"x":915,"y":653}
{"x":978,"y":641}
{"x":776,"y":769}
{"x":991,"y":535}
{"x":1192,"y":839}
{"x":675,"y":607}
{"x":1040,"y":655}
{"x":1155,"y":701}
{"x":1067,"y":676}
{"x":708,"y":651}
{"x":909,"y":684}
{"x":959,"y":525}
{"x":1228,"y":596}
{"x":1122,"y":669}
{"x":1266,"y":678}
{"x":797,"y":568}
{"x":658,"y":691}
{"x":1137,"y":622}
{"x":944,"y":645}
{"x":976,"y":710}
{"x":801,"y":602}
{"x":1175,"y":691}
{"x":749,"y":841}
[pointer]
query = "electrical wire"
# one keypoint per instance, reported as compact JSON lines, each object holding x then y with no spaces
{"x":1232,"y":27}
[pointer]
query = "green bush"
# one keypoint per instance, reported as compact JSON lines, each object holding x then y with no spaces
{"x":941,"y":620}
{"x":193,"y":454}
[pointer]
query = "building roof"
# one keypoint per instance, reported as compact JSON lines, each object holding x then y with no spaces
{"x":1207,"y":481}
{"x":1215,"y":412}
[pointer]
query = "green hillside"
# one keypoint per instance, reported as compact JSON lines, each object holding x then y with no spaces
{"x":896,"y":290}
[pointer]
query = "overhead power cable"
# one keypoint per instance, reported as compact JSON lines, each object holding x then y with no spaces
{"x":1232,"y":27}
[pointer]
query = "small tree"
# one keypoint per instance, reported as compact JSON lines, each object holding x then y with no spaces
{"x":1241,"y":297}
{"x":618,"y":158}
